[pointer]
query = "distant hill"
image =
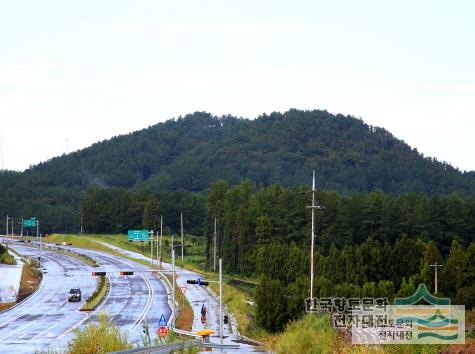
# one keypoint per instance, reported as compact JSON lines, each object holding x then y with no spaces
{"x":191,"y":152}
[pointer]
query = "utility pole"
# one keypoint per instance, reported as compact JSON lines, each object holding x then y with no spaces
{"x":38,"y":234}
{"x":182,"y":243}
{"x":173,"y":286}
{"x":173,"y":243}
{"x":214,"y":251}
{"x":313,"y":207}
{"x":221,"y":329}
{"x":161,"y":238}
{"x":436,"y":265}
{"x":81,"y":226}
{"x":21,"y":234}
{"x":6,"y":231}
{"x":156,"y":247}
{"x":151,"y":246}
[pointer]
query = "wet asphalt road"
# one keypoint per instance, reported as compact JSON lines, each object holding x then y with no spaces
{"x":47,"y":319}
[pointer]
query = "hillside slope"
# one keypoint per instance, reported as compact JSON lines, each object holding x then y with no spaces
{"x":193,"y":151}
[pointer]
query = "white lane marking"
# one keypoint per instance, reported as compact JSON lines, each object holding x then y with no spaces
{"x":149,"y":286}
{"x":147,"y":305}
{"x":40,"y":302}
{"x":88,"y":315}
{"x":20,"y":329}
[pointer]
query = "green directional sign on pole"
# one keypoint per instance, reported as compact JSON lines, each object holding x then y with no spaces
{"x":138,"y":235}
{"x":29,"y":222}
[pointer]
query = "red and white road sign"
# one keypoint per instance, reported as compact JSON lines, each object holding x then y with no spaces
{"x":162,"y":331}
{"x":203,"y":319}
{"x":183,"y":289}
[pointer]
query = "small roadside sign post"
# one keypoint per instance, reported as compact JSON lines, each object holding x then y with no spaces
{"x":162,"y":322}
{"x":162,"y":329}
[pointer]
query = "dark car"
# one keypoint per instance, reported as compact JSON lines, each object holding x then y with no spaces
{"x":74,"y":294}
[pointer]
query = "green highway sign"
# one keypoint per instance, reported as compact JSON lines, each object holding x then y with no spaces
{"x":138,"y":235}
{"x":29,"y":222}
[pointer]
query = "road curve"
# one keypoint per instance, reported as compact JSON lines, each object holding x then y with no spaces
{"x":47,"y":319}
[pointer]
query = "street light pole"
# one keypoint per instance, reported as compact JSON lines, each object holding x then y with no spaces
{"x":38,"y":233}
{"x":214,"y":251}
{"x":182,"y":243}
{"x":161,"y":238}
{"x":6,"y":231}
{"x":151,"y":247}
{"x":173,"y":286}
{"x":436,"y":265}
{"x":221,"y":301}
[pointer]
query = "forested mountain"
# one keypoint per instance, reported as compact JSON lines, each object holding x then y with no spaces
{"x":191,"y":152}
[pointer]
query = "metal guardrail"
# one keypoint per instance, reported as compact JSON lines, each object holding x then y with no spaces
{"x":185,"y":333}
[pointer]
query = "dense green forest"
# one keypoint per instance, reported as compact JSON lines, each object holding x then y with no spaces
{"x":191,"y":152}
{"x":368,"y":244}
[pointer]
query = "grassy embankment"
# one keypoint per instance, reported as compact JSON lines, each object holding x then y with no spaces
{"x":184,"y":319}
{"x":29,"y":282}
{"x":315,"y":334}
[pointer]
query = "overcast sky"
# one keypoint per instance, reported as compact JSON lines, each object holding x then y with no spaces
{"x":76,"y":72}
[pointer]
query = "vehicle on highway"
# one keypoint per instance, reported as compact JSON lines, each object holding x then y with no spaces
{"x":74,"y":294}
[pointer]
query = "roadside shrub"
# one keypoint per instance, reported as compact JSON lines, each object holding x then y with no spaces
{"x":7,"y":259}
{"x":99,"y":338}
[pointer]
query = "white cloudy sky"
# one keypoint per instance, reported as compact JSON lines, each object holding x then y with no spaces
{"x":76,"y":72}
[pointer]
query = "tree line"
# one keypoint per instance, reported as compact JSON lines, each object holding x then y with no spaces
{"x":368,"y":244}
{"x":191,"y":152}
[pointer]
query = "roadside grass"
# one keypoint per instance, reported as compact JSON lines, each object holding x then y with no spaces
{"x":184,"y":319}
{"x":235,"y":300}
{"x":6,"y":258}
{"x":97,"y":296}
{"x":315,"y":334}
{"x":100,"y":338}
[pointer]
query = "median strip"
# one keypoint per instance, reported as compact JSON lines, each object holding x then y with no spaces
{"x":98,"y":295}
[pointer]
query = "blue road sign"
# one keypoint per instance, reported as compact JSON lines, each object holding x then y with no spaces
{"x":162,"y":322}
{"x":199,"y":280}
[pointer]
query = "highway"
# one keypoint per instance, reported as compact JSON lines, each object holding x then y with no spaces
{"x":198,"y":296}
{"x":47,"y":319}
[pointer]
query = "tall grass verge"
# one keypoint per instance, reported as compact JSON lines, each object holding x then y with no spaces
{"x":314,"y":334}
{"x":100,"y":338}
